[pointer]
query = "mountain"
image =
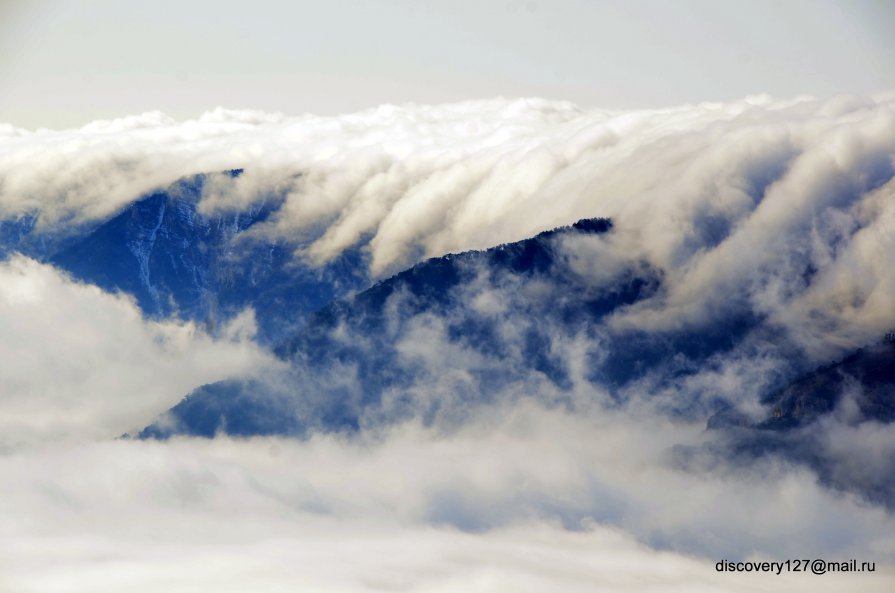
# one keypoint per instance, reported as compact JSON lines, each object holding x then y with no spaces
{"x":365,"y":355}
{"x":466,"y":333}
{"x":861,"y":387}
{"x":13,"y":233}
{"x":830,"y":420}
{"x":459,"y":332}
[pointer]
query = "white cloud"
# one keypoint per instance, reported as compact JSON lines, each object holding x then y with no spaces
{"x":729,"y":201}
{"x":79,"y":363}
{"x":380,"y":513}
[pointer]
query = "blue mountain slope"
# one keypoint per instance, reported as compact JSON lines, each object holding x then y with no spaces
{"x":175,"y":260}
{"x":13,"y":232}
{"x":454,"y":333}
{"x":863,"y":381}
{"x":813,"y":421}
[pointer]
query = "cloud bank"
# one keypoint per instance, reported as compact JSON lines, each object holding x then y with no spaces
{"x":80,"y":364}
{"x":785,"y":204}
{"x":524,"y":502}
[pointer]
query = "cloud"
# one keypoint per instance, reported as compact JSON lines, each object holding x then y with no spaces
{"x":488,"y":508}
{"x":81,"y":364}
{"x":746,"y":201}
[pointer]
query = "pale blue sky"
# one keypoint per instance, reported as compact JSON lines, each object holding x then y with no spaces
{"x":66,"y":62}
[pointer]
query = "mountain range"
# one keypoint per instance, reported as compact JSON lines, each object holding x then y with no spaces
{"x":448,"y":337}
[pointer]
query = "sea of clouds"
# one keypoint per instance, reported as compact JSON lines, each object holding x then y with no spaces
{"x":786,"y":208}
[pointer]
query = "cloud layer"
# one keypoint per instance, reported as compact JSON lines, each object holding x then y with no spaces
{"x":531,"y":501}
{"x":751,"y":200}
{"x":80,"y":364}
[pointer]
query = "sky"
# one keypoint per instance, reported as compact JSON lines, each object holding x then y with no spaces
{"x":64,"y":63}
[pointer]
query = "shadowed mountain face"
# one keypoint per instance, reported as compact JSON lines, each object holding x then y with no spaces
{"x":176,"y":260}
{"x":830,"y":420}
{"x":370,"y":358}
{"x":860,"y":388}
{"x":459,"y":332}
{"x":14,"y":233}
{"x":463,"y":334}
